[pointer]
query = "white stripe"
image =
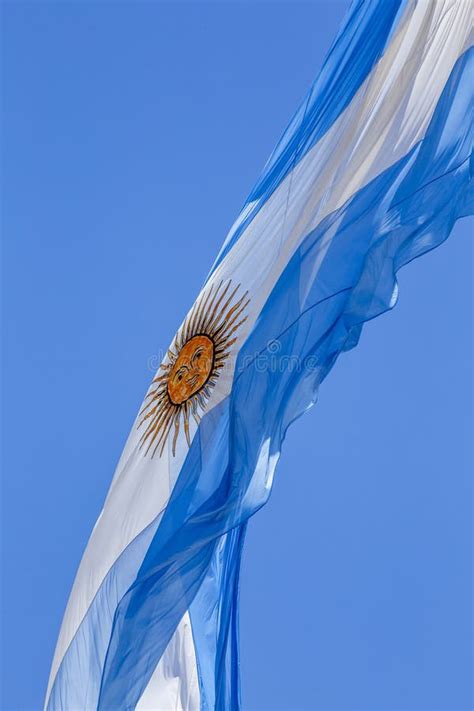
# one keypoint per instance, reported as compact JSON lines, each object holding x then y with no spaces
{"x":386,"y":118}
{"x":174,"y":685}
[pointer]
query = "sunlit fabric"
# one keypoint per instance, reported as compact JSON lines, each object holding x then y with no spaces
{"x":372,"y":172}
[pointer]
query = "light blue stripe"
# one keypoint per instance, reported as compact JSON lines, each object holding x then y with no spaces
{"x":357,"y":48}
{"x":403,"y":213}
{"x":214,"y":620}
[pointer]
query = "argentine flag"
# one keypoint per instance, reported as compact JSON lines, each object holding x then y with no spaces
{"x":373,"y":170}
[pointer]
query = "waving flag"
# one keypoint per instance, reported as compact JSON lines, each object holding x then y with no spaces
{"x":373,"y":171}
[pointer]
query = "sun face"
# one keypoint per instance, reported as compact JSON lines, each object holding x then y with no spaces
{"x":192,"y":369}
{"x":184,"y":383}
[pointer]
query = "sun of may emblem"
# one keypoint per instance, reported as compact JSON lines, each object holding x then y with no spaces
{"x":184,"y":383}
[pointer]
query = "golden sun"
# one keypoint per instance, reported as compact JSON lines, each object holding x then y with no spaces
{"x":184,"y":383}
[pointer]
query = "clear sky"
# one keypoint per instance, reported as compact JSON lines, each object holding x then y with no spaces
{"x":133,"y":132}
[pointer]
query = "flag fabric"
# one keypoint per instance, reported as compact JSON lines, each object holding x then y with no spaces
{"x":373,"y":170}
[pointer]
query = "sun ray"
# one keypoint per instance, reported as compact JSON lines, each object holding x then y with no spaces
{"x":158,"y":384}
{"x":217,"y":315}
{"x":215,"y":305}
{"x":200,"y":324}
{"x":186,"y":329}
{"x":209,"y":302}
{"x":222,"y":317}
{"x":191,"y":322}
{"x":158,"y":418}
{"x":181,"y":336}
{"x":186,"y":423}
{"x":230,"y":319}
{"x":154,"y":412}
{"x":176,"y":431}
{"x":222,"y":354}
{"x":194,"y":403}
{"x":151,"y":396}
{"x":153,"y":428}
{"x":150,"y":401}
{"x":237,"y":326}
{"x":160,"y":378}
{"x":164,"y":436}
{"x":197,"y":309}
{"x":202,"y":310}
{"x":161,"y":429}
{"x":162,"y":433}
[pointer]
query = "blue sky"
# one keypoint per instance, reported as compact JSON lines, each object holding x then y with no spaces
{"x":133,"y":132}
